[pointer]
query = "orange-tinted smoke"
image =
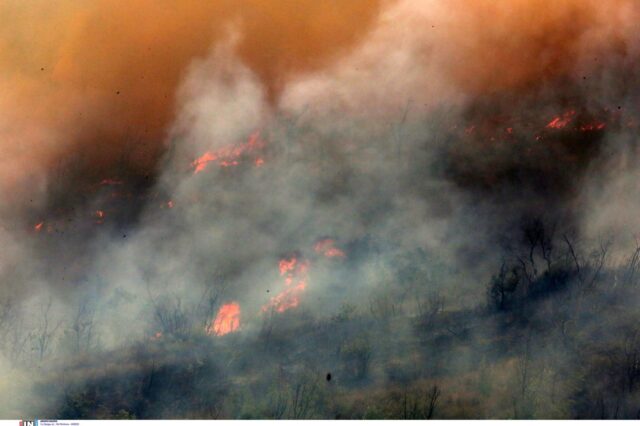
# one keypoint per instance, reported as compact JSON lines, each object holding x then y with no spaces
{"x":495,"y":45}
{"x":90,"y":85}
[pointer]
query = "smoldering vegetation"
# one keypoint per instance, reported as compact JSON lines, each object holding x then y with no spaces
{"x":377,"y":243}
{"x":553,"y":336}
{"x":530,"y":320}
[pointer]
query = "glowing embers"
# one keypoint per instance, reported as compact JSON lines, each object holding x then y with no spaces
{"x":592,"y":127}
{"x":201,"y":163}
{"x":327,"y":248}
{"x":295,"y":273}
{"x":43,"y":227}
{"x":227,"y":321}
{"x":561,"y":121}
{"x":569,"y":117}
{"x":231,"y":156}
{"x":99,"y":215}
{"x":507,"y":128}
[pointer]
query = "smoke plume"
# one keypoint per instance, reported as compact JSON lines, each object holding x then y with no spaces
{"x":166,"y":161}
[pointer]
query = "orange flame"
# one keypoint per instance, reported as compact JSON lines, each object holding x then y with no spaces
{"x":292,"y":270}
{"x":227,"y":321}
{"x":286,"y":299}
{"x":38,"y":226}
{"x":230,"y":156}
{"x":592,"y":127}
{"x":201,"y":163}
{"x":327,"y":248}
{"x":286,"y":265}
{"x":561,"y":121}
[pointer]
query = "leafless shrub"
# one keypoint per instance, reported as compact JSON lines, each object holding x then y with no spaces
{"x":42,"y":337}
{"x":171,"y":317}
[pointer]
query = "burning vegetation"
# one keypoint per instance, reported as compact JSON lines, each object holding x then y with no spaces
{"x":336,"y":219}
{"x":227,"y":321}
{"x":294,"y":272}
{"x":327,"y":248}
{"x":231,"y":156}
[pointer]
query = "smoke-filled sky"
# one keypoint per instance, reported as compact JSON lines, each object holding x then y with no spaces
{"x":89,"y":79}
{"x":85,"y":83}
{"x":92,"y":80}
{"x":388,"y":127}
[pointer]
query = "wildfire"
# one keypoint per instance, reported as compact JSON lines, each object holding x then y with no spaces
{"x":229,"y":163}
{"x":504,"y":128}
{"x":201,"y":163}
{"x":286,"y":299}
{"x":230,"y":156}
{"x":327,"y":248}
{"x":227,"y":321}
{"x":286,"y":265}
{"x":295,"y":273}
{"x":560,"y":122}
{"x":590,"y":127}
{"x":99,"y":214}
{"x":38,"y":226}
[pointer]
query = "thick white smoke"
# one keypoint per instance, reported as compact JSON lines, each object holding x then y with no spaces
{"x":359,"y":152}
